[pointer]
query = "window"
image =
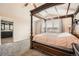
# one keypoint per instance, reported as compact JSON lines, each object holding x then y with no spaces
{"x":2,"y":26}
{"x":53,"y":26}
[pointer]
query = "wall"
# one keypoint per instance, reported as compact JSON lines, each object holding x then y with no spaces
{"x":55,"y":25}
{"x":66,"y":24}
{"x":36,"y":25}
{"x":21,"y":18}
{"x":0,"y":31}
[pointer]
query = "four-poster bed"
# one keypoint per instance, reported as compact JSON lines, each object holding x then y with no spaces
{"x":47,"y":48}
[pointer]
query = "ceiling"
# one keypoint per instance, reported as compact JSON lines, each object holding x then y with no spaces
{"x":57,"y":11}
{"x":51,"y":12}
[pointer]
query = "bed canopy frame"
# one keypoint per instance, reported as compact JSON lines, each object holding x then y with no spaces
{"x":45,"y":6}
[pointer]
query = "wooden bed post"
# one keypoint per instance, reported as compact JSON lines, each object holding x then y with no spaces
{"x":72,"y":28}
{"x":31,"y":36}
{"x":45,"y":26}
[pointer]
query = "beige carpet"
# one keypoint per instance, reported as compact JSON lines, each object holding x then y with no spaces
{"x":6,"y":40}
{"x":32,"y":52}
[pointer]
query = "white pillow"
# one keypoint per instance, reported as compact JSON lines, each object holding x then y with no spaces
{"x":65,"y":34}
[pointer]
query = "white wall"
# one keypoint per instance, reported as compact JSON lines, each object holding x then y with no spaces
{"x":0,"y":31}
{"x":21,"y":18}
{"x":22,"y":26}
{"x":67,"y":22}
{"x":36,"y":25}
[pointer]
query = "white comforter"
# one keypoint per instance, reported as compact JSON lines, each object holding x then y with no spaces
{"x":61,"y":39}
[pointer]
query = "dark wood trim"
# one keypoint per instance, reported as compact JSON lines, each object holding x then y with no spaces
{"x":77,"y":11}
{"x":52,"y":50}
{"x":39,"y":17}
{"x":64,"y":16}
{"x":34,"y":5}
{"x":45,"y":6}
{"x":31,"y":37}
{"x":45,"y":26}
{"x":72,"y":24}
{"x":68,"y":8}
{"x":61,"y":17}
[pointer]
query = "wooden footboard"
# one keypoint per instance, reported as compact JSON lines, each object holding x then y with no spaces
{"x":51,"y":50}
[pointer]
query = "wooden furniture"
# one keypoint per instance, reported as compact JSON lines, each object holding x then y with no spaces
{"x":75,"y":49}
{"x":54,"y":50}
{"x":6,"y":34}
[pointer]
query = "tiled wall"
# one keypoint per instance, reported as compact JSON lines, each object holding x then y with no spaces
{"x":16,"y":48}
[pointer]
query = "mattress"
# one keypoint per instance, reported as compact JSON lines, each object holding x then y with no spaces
{"x":60,"y":39}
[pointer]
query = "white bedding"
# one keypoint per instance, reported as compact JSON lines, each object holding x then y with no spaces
{"x":50,"y":35}
{"x":61,"y":39}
